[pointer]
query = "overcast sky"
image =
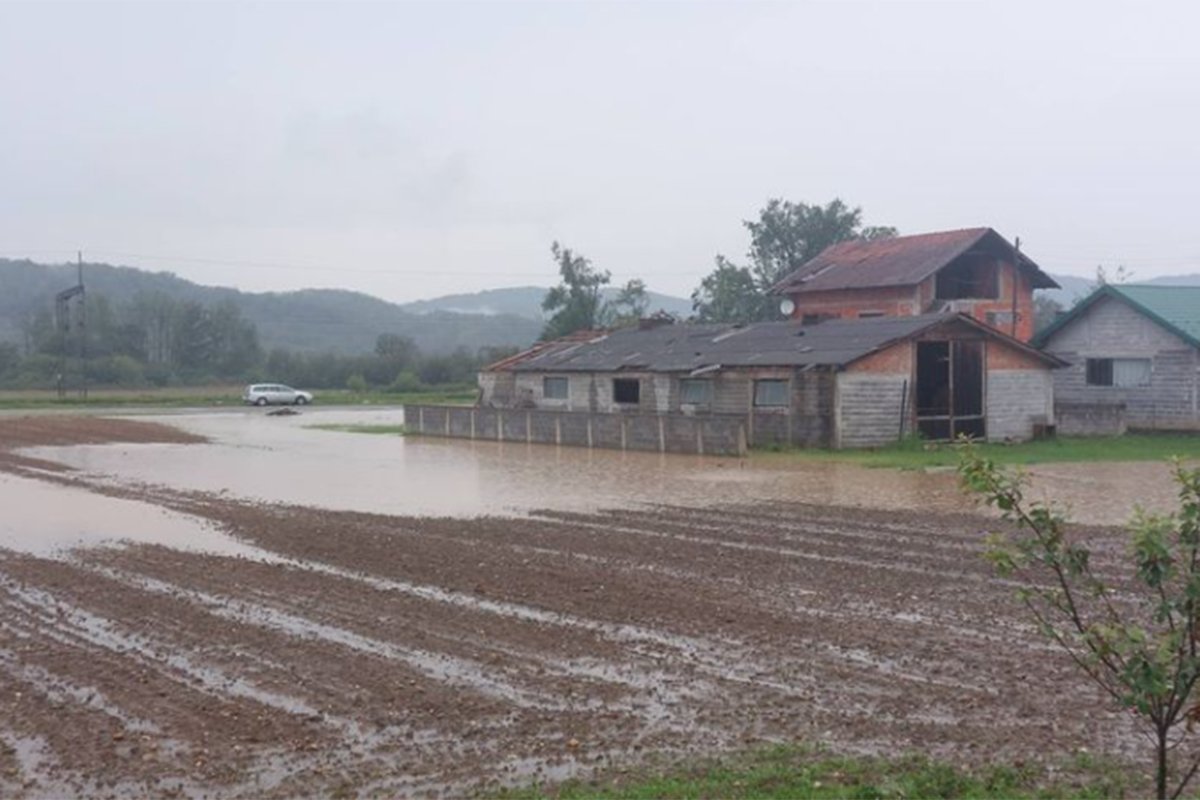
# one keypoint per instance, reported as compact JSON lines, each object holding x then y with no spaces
{"x":410,"y":150}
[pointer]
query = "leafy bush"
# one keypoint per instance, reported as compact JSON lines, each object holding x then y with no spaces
{"x":406,"y":382}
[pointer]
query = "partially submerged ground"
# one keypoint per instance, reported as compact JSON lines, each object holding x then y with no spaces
{"x":354,"y":653}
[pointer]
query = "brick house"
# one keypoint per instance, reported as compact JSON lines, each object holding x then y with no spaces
{"x":974,"y":271}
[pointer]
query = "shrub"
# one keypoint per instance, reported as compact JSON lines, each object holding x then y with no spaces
{"x":1137,"y":635}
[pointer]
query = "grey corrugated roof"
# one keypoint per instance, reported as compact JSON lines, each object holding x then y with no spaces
{"x":898,"y":261}
{"x":683,"y":348}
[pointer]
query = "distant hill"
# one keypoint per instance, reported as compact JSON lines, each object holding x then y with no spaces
{"x":314,"y":320}
{"x":526,"y":301}
{"x":1074,"y":288}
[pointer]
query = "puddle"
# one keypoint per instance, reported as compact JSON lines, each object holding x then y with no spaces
{"x":45,"y":519}
{"x":286,"y":460}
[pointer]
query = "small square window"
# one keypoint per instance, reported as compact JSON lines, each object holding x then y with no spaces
{"x":695,"y":391}
{"x":554,"y":388}
{"x":1100,"y":372}
{"x":771,"y":393}
{"x":627,"y":390}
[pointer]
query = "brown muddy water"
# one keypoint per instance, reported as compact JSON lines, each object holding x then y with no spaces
{"x":286,"y":460}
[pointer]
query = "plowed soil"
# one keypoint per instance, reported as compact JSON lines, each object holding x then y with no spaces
{"x":360,"y":654}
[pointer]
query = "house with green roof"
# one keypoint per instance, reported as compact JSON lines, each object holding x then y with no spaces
{"x":1134,"y":359}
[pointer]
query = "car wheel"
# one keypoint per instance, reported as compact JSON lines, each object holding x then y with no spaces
{"x":301,"y":401}
{"x":262,"y":401}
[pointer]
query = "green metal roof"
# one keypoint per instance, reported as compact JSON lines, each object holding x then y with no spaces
{"x":1176,"y":308}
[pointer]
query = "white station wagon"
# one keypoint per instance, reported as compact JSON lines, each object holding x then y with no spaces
{"x":263,"y":394}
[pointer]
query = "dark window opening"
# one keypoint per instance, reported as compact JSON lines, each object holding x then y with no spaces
{"x":870,"y":314}
{"x":949,"y":390}
{"x":627,"y":390}
{"x":814,"y":319}
{"x":967,"y":395}
{"x":1099,"y":372}
{"x":933,"y":379}
{"x":969,"y":277}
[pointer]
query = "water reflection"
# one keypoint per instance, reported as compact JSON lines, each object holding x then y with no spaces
{"x":283,"y":459}
{"x":44,"y":519}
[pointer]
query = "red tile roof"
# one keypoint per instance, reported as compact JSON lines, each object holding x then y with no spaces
{"x":898,"y":261}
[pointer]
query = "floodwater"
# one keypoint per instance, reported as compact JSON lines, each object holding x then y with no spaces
{"x":287,"y":460}
{"x":43,"y":519}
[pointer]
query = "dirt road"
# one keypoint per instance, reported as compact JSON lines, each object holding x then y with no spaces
{"x":358,"y":654}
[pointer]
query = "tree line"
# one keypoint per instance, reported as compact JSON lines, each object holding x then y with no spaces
{"x":157,"y":340}
{"x":784,"y":236}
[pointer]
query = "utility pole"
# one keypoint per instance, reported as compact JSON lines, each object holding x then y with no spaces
{"x":1016,"y":277}
{"x":83,"y":349}
{"x":62,"y":310}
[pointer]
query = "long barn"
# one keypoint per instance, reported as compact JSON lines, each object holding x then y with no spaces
{"x":840,"y":383}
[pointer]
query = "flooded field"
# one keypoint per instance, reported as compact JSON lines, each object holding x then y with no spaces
{"x":284,"y":459}
{"x":263,"y":609}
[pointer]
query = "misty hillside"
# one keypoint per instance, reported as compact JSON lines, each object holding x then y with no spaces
{"x":314,"y":320}
{"x":526,"y":301}
{"x":1074,"y":288}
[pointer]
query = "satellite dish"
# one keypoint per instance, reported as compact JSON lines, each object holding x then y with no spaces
{"x":787,"y":306}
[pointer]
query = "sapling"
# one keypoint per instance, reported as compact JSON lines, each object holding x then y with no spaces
{"x":1132,"y":631}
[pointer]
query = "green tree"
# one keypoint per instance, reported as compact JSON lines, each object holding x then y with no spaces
{"x":575,"y":304}
{"x":727,"y":294}
{"x":1135,"y":635}
{"x":10,"y":360}
{"x":628,"y":306}
{"x":784,"y":237}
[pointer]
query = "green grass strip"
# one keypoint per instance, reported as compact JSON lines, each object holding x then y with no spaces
{"x":798,"y":773}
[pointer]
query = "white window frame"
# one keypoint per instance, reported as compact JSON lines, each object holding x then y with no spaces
{"x":763,"y":383}
{"x":706,"y":386}
{"x":565,"y":383}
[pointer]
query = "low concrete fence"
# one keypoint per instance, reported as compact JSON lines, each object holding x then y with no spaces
{"x":663,"y":433}
{"x":1090,"y":419}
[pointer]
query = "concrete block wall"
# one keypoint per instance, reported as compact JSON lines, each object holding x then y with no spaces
{"x":1111,"y":329}
{"x":1016,"y":400}
{"x":869,"y":408}
{"x":671,"y":433}
{"x":1090,"y":419}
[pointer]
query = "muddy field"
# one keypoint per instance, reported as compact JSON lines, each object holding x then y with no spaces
{"x":328,"y":652}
